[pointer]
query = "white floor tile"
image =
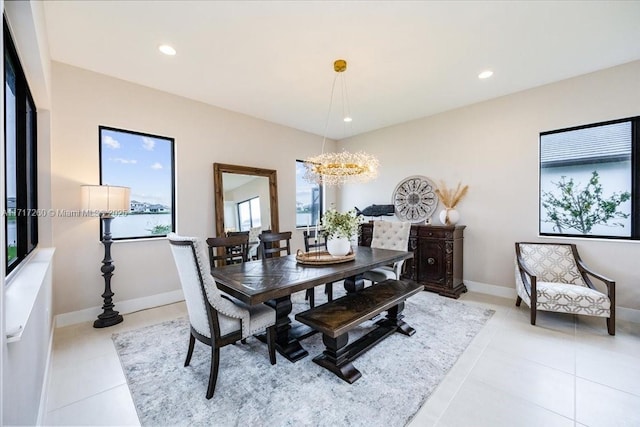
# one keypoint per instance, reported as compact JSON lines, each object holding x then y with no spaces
{"x":601,"y":406}
{"x":87,"y":378}
{"x":550,"y":348}
{"x":112,"y":407}
{"x":609,"y":368}
{"x":511,"y":374}
{"x":478,"y":404}
{"x":546,"y":387}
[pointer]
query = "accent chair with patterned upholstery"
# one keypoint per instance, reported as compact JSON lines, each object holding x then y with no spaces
{"x":391,"y":235}
{"x":552,"y":277}
{"x":216,"y":319}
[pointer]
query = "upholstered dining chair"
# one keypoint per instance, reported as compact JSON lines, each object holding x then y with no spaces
{"x":254,"y":242}
{"x":215,"y":321}
{"x":552,"y":277}
{"x":274,"y":244}
{"x":391,"y":235}
{"x":319,"y":243}
{"x":228,"y":250}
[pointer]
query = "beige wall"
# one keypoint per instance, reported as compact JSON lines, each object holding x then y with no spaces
{"x":493,"y":147}
{"x":83,"y":100}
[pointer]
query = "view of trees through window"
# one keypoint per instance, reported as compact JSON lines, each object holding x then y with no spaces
{"x":308,"y":199}
{"x":586,"y":180}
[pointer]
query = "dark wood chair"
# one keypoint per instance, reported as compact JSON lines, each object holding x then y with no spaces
{"x":215,"y":320}
{"x":274,"y":244}
{"x":320,"y":244}
{"x":228,"y":250}
{"x":237,"y":233}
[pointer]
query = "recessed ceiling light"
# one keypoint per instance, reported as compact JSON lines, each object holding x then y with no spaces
{"x":348,"y":119}
{"x":485,"y":74}
{"x":167,"y":50}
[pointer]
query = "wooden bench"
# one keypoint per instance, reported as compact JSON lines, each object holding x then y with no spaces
{"x":335,"y":319}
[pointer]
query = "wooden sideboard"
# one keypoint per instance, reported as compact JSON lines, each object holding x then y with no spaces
{"x":437,"y":257}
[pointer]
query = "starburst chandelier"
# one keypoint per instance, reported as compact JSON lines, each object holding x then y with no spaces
{"x":342,"y":167}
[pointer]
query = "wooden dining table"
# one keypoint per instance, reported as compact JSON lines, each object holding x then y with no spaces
{"x":273,"y":280}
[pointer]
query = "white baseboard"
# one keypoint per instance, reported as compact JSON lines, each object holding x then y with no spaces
{"x":123,"y":307}
{"x":628,"y":314}
{"x":622,"y":313}
{"x":495,"y":290}
{"x":137,"y":304}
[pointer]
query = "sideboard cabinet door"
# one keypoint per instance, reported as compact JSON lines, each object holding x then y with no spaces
{"x":437,"y":257}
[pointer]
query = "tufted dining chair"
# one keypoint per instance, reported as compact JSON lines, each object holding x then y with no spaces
{"x":254,"y":242}
{"x":216,"y":319}
{"x":552,"y":277}
{"x":389,"y":235}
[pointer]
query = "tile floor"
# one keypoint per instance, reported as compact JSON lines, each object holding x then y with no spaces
{"x":566,"y":371}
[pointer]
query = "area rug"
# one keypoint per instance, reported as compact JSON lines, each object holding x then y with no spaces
{"x":398,"y":374}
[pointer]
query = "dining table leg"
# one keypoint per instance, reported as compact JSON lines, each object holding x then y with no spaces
{"x":354,"y":283}
{"x":286,"y":344}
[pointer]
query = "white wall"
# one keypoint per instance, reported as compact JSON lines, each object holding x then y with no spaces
{"x":83,"y":100}
{"x":493,"y":147}
{"x":24,"y":363}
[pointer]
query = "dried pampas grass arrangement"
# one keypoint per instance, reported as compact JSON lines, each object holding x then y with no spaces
{"x":450,"y":197}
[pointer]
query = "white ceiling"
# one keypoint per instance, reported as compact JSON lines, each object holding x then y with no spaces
{"x":274,"y":59}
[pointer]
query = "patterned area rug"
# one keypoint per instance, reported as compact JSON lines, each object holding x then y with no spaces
{"x":398,"y":374}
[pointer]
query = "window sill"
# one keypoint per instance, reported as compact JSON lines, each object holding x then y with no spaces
{"x":22,"y":292}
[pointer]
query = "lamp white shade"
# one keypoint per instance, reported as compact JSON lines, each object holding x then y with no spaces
{"x":106,"y":198}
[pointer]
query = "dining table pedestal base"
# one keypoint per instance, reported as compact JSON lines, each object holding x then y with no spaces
{"x":288,"y":337}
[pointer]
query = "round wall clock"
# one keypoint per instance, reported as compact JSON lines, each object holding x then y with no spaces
{"x":415,"y":199}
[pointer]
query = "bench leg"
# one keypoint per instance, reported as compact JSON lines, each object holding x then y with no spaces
{"x":335,"y":358}
{"x":394,"y":319}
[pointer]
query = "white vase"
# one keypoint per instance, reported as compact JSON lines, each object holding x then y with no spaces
{"x":449,"y":216}
{"x":338,"y":246}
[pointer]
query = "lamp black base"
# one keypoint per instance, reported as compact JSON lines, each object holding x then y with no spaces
{"x":108,"y":319}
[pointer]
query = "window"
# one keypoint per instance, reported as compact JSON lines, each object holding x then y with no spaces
{"x":144,"y":163}
{"x":308,"y":199}
{"x":249,"y":214}
{"x":590,"y":180}
{"x":21,"y":218}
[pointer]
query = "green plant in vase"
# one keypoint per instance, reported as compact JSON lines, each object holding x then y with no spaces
{"x":340,"y":228}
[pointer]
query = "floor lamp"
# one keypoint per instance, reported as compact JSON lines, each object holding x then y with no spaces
{"x":106,"y":199}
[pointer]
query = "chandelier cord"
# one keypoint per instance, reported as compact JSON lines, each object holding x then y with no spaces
{"x":326,"y":124}
{"x":346,"y":111}
{"x":337,"y":168}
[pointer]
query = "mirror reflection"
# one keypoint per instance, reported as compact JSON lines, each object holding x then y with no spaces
{"x":246,"y":199}
{"x":246,"y":202}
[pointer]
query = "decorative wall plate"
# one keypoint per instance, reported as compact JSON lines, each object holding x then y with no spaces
{"x":415,"y":199}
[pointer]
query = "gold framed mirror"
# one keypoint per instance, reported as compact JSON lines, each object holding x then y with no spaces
{"x":236,"y":185}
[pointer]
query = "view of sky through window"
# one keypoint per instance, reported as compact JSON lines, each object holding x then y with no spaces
{"x":145,"y":164}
